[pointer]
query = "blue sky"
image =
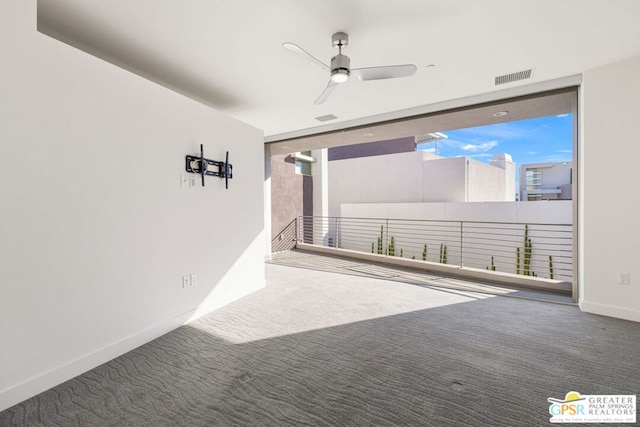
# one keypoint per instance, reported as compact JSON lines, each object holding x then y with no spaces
{"x":545,"y":139}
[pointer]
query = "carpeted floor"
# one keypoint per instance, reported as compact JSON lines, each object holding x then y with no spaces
{"x":326,"y":349}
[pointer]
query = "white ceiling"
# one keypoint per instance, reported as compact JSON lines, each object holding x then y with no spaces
{"x":228,"y":53}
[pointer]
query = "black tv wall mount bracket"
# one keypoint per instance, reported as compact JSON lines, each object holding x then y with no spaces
{"x":206,"y":167}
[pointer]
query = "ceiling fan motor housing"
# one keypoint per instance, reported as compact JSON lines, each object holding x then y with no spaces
{"x":340,"y":65}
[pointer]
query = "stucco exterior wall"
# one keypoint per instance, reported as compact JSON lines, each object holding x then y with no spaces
{"x":415,"y":177}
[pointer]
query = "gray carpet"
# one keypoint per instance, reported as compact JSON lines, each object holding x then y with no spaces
{"x":326,"y":349}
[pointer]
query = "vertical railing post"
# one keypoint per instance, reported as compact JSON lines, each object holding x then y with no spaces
{"x":326,"y":238}
{"x":337,"y":232}
{"x":386,"y":239}
{"x":326,"y":227}
{"x":461,"y":240}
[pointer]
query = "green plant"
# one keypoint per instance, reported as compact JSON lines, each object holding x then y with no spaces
{"x":527,"y":258}
{"x":550,"y":267}
{"x":372,"y":248}
{"x":493,"y":266}
{"x":380,"y":240}
{"x":424,"y":253}
{"x":392,"y":247}
{"x":401,"y":253}
{"x":527,"y":252}
{"x":443,"y":253}
{"x":523,"y":258}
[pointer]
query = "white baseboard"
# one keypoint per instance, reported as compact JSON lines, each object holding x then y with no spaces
{"x":37,"y":384}
{"x":610,"y":311}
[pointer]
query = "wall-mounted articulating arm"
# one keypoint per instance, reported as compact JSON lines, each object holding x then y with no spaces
{"x":204,"y":167}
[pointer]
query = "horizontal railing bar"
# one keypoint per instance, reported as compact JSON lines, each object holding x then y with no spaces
{"x":439,"y":220}
{"x":442,"y":229}
{"x":559,"y":249}
{"x":519,"y":233}
{"x":468,"y":243}
{"x":501,"y":260}
{"x":555,"y":235}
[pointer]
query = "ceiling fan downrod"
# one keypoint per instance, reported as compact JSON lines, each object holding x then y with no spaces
{"x":340,"y":64}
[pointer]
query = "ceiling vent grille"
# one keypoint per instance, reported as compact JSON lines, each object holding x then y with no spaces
{"x":326,"y":118}
{"x":514,"y":77}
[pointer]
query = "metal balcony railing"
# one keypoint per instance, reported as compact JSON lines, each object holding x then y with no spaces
{"x":537,"y":250}
{"x":286,"y":238}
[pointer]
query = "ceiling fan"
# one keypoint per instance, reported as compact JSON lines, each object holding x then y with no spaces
{"x":340,"y":70}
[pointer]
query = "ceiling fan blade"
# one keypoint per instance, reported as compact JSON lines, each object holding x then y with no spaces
{"x":300,"y":51}
{"x":387,"y":72}
{"x":326,"y":92}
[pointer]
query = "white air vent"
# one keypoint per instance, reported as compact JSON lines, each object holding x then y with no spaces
{"x":514,"y":77}
{"x":326,"y":118}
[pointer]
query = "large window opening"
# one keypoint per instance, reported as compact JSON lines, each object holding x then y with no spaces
{"x":488,"y":187}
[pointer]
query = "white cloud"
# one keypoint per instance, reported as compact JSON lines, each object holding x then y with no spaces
{"x":474,"y":148}
{"x":565,"y":151}
{"x":555,"y":158}
{"x":562,"y":115}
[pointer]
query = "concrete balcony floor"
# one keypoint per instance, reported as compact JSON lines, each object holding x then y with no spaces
{"x":355,"y":267}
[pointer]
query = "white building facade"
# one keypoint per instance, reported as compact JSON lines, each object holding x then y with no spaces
{"x":419,"y":176}
{"x":546,"y":181}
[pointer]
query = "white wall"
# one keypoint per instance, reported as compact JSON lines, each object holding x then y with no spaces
{"x":443,"y":180}
{"x":95,"y":231}
{"x":414,"y":177}
{"x":486,"y":182}
{"x":545,"y":212}
{"x":319,"y":172}
{"x":504,"y":161}
{"x":393,"y":177}
{"x":608,"y":189}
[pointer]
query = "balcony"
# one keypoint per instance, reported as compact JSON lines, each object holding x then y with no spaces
{"x":528,"y":255}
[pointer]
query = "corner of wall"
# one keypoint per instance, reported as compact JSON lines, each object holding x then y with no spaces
{"x":609,"y":311}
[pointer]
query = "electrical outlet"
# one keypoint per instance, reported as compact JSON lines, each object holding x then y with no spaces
{"x":194,"y":279}
{"x":186,"y":281}
{"x":185,"y":181}
{"x":623,"y":278}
